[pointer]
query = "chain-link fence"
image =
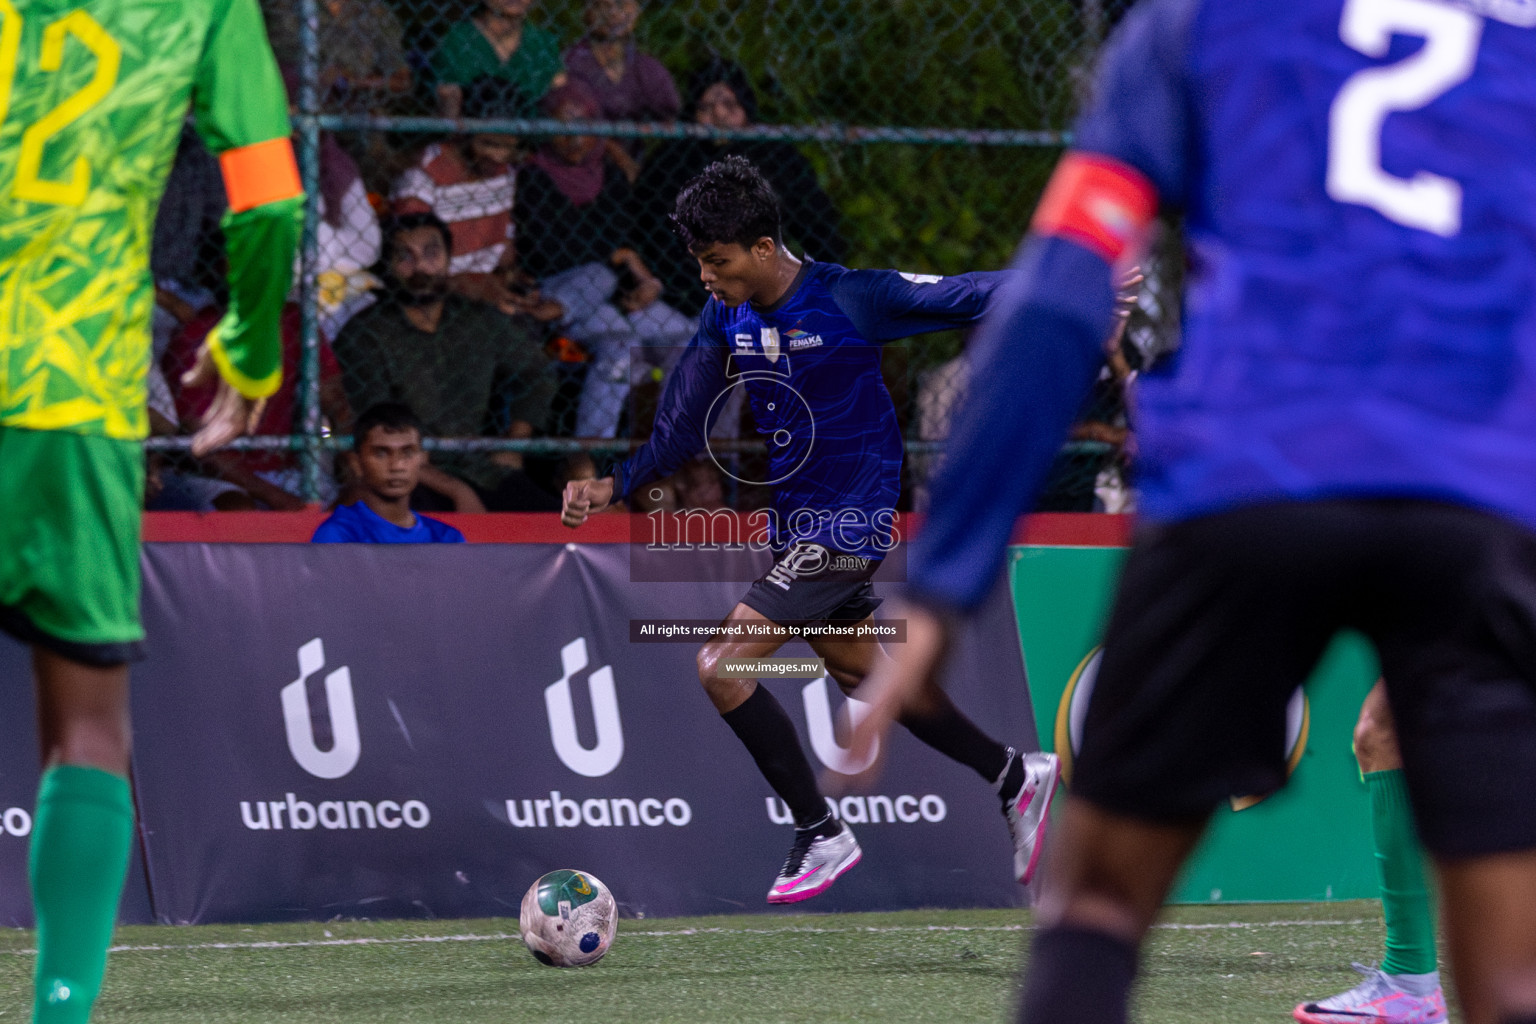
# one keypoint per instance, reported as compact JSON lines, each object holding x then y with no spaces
{"x":487,"y":240}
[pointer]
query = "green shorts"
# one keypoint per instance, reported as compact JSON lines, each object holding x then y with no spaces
{"x":70,"y":511}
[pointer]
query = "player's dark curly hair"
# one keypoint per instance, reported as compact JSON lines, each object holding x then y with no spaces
{"x":730,"y":202}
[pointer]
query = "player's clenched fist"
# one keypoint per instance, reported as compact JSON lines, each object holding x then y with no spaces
{"x":584,"y":497}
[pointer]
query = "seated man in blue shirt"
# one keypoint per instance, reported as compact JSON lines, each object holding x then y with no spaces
{"x":387,"y":458}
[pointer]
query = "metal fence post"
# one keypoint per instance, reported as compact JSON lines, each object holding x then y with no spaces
{"x":309,"y":168}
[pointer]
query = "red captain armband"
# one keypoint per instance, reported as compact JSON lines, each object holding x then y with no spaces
{"x":259,"y":174}
{"x":1101,"y":204}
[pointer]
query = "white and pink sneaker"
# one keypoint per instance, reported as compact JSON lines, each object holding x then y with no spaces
{"x":814,"y":863}
{"x":1029,"y":812}
{"x":1379,"y":999}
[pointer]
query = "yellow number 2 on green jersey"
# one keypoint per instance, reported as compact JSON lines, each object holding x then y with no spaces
{"x":92,"y":99}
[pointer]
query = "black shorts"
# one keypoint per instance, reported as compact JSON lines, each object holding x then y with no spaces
{"x":1219,"y":619}
{"x":811,"y":583}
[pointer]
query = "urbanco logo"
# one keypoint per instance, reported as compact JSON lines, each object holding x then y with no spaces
{"x":818,"y":722}
{"x":599,"y":760}
{"x":346,"y":742}
{"x":346,"y":747}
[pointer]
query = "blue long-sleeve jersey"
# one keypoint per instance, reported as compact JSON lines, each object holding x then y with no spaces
{"x":810,"y":365}
{"x":1358,"y":185}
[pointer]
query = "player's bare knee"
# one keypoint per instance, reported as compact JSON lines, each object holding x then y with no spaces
{"x":1082,"y":904}
{"x":1376,"y":742}
{"x":721,"y":690}
{"x":96,"y":742}
{"x":708,"y":663}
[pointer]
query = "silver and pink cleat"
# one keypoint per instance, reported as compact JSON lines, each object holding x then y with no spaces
{"x":1379,"y":999}
{"x":1029,"y":812}
{"x":814,"y":863}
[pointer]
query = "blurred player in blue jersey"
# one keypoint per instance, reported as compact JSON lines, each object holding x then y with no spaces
{"x":1347,"y":438}
{"x":805,"y":340}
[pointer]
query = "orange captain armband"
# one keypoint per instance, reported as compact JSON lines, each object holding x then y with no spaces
{"x":262,"y":173}
{"x":1100,"y":203}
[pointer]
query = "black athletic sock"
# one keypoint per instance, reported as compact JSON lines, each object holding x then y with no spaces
{"x":764,"y":728}
{"x":1078,"y":976}
{"x":1012,"y":779}
{"x":827,"y":826}
{"x":949,"y":732}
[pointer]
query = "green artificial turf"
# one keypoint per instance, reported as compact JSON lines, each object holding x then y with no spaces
{"x":1229,"y":964}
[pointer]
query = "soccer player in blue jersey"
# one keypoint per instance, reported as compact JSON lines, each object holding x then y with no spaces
{"x":387,"y":459}
{"x":1347,"y":438}
{"x":805,"y":341}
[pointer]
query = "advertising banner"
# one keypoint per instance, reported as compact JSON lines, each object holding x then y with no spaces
{"x":1310,"y":841}
{"x":18,"y":797}
{"x":413,"y":731}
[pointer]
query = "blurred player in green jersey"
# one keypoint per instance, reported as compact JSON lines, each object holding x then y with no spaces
{"x":93,"y":94}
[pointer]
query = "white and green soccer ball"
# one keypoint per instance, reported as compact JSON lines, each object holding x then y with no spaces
{"x":568,"y":919}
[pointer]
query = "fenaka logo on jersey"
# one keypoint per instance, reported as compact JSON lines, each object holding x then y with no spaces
{"x":334,"y":763}
{"x":1073,"y":711}
{"x":799,"y":339}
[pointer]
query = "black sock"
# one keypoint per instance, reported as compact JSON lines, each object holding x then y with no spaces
{"x":1078,"y":976}
{"x":764,"y":728}
{"x":1012,"y":780}
{"x":827,"y":826}
{"x":949,"y":732}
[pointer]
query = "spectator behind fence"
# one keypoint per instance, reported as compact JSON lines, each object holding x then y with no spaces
{"x":720,"y":96}
{"x":348,"y":238}
{"x":362,"y":56}
{"x":699,"y":485}
{"x":187,"y":238}
{"x":575,"y":231}
{"x":386,"y":461}
{"x":497,"y":42}
{"x":940,"y":393}
{"x":175,"y":483}
{"x":465,"y":368}
{"x":469,"y":182}
{"x":271,"y":477}
{"x":629,"y":85}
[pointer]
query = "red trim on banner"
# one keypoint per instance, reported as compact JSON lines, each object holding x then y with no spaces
{"x":1053,"y":529}
{"x":1073,"y":530}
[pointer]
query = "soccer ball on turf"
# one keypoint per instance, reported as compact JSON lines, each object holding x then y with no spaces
{"x":568,"y":919}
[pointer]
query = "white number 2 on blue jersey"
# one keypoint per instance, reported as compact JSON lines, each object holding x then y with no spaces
{"x":1451,"y":36}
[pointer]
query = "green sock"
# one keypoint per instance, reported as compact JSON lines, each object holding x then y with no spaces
{"x":1400,"y":869}
{"x":80,"y":845}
